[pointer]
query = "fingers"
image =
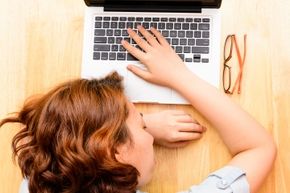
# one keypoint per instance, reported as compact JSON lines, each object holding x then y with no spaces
{"x":134,"y":51}
{"x":140,"y":72}
{"x":159,"y":37}
{"x":191,"y":127}
{"x":148,"y":36}
{"x":140,"y":41}
{"x":186,"y":136}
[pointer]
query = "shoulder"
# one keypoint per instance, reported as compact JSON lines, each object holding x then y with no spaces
{"x":225,"y":180}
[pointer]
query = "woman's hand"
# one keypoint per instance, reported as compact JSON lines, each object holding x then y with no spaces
{"x":163,"y":64}
{"x":172,"y":128}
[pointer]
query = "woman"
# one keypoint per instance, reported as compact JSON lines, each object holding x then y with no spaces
{"x":98,"y":142}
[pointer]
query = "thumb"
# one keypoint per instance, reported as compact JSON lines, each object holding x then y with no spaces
{"x":139,"y":72}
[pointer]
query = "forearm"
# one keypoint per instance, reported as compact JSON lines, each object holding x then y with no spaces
{"x":238,"y":130}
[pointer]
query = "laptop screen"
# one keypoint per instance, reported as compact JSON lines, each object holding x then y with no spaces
{"x":199,"y":3}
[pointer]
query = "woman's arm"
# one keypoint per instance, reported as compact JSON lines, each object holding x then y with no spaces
{"x":252,"y":147}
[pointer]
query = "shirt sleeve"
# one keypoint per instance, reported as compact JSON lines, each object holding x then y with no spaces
{"x":228,"y":179}
{"x":24,"y":186}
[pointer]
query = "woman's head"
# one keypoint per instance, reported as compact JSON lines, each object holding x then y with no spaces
{"x":80,"y":137}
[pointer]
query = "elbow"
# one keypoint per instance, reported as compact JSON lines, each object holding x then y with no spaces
{"x":270,"y":148}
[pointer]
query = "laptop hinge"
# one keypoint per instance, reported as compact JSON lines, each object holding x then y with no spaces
{"x":152,"y":8}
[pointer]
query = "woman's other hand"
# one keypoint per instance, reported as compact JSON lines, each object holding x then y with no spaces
{"x":173,"y":128}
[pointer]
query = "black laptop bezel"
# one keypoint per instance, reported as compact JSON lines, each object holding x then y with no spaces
{"x":114,"y":4}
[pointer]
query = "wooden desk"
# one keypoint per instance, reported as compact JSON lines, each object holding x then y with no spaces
{"x":41,"y":45}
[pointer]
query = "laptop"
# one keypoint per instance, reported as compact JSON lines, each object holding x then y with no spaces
{"x":192,"y":27}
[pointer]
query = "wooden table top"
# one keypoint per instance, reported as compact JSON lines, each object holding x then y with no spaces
{"x":41,"y":45}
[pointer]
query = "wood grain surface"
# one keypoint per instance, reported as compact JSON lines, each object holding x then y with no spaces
{"x":41,"y":45}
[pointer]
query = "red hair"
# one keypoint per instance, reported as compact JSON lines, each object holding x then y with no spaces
{"x":69,"y":138}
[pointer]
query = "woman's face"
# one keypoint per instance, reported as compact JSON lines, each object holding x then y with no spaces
{"x":139,"y":153}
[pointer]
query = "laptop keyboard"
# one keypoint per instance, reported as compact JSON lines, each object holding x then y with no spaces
{"x":189,"y":37}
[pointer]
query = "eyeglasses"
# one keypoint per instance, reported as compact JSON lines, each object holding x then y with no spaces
{"x":227,"y":72}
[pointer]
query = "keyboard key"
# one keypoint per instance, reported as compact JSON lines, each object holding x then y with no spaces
{"x":188,"y":59}
{"x":111,"y":40}
{"x":97,"y":55}
{"x":125,"y":32}
{"x":121,"y":56}
{"x":115,"y":48}
{"x":196,"y":58}
{"x":153,"y":25}
{"x":185,"y":26}
{"x":189,"y":20}
{"x":169,"y":25}
{"x":164,"y":19}
{"x":112,"y":56}
{"x":146,"y":25}
{"x":173,"y":33}
{"x":181,"y":56}
{"x":100,"y":39}
{"x":114,"y":25}
{"x":177,"y":26}
{"x":139,"y":19}
{"x":100,"y":32}
{"x":98,"y":18}
{"x":110,"y":32}
{"x":202,"y":42}
{"x":183,"y":41}
{"x":178,"y":49}
{"x":197,"y":20}
{"x":123,"y":18}
{"x":206,"y":20}
{"x":189,"y":34}
{"x":161,"y":25}
{"x":107,"y":18}
{"x":197,"y":34}
{"x":115,"y":18}
{"x":122,"y":25}
{"x":175,"y":41}
{"x":187,"y":49}
{"x":98,"y":25}
{"x":205,"y":60}
{"x":118,"y":40}
{"x":131,"y":57}
{"x":104,"y":56}
{"x":203,"y":26}
{"x":165,"y":33}
{"x":117,"y":32}
{"x":101,"y":47}
{"x":193,"y":26}
{"x":130,"y":24}
{"x":156,"y":19}
{"x":205,"y":34}
{"x":181,"y":34}
{"x":180,"y":19}
{"x":131,"y":18}
{"x":147,"y":19}
{"x":121,"y":48}
{"x":106,"y":24}
{"x":201,"y":50}
{"x":172,"y":19}
{"x":168,"y":40}
{"x":191,"y":42}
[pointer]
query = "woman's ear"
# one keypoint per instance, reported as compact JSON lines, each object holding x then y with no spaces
{"x":121,"y":153}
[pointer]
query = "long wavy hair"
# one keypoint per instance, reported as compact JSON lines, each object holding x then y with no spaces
{"x":69,"y":138}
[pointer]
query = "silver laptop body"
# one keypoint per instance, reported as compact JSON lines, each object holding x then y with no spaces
{"x":192,"y":27}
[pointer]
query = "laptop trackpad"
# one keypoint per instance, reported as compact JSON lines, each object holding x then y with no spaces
{"x":139,"y":90}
